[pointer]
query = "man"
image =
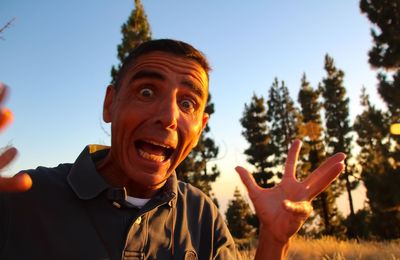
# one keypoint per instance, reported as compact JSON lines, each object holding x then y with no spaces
{"x":123,"y":201}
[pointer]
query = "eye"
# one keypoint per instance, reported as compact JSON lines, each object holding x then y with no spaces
{"x":188,"y":105}
{"x":146,"y":92}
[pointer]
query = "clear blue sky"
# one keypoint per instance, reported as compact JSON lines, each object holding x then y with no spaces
{"x":57,"y":55}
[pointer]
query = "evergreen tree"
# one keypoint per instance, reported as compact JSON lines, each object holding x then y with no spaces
{"x":385,"y":16}
{"x":135,"y":31}
{"x":313,"y":154}
{"x":337,"y":130}
{"x":237,"y":215}
{"x":336,"y":106}
{"x":254,"y":122}
{"x":385,"y":56}
{"x":313,"y":150}
{"x":283,"y":118}
{"x":378,"y":176}
{"x":194,"y":168}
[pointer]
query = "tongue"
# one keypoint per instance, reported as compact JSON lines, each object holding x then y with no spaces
{"x":152,"y":149}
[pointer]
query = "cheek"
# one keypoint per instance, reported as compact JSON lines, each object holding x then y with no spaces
{"x":130,"y":113}
{"x":192,"y":132}
{"x":124,"y":124}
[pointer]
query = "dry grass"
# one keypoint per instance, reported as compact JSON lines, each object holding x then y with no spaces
{"x":331,"y":248}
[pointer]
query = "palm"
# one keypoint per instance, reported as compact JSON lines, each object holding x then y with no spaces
{"x":284,"y":208}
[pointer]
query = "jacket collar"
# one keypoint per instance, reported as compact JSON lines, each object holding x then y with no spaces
{"x":87,"y":183}
{"x":83,"y":177}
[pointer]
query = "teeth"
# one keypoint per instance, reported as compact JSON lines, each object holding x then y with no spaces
{"x":152,"y":157}
{"x":159,"y":144}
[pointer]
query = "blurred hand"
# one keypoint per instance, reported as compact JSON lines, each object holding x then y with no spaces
{"x":20,"y":182}
{"x":283,"y":209}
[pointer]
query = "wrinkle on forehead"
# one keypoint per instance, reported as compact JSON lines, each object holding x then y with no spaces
{"x":169,"y":62}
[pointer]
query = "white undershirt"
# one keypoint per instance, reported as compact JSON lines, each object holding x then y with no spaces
{"x":138,"y":202}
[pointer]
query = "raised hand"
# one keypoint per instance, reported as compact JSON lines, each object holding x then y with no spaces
{"x":20,"y":182}
{"x":284,"y":208}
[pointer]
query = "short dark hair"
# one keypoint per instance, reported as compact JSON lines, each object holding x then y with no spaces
{"x":175,"y":47}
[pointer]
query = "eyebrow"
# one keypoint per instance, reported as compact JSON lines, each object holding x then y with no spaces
{"x":198,"y":90}
{"x":194,"y":87}
{"x":148,"y":74}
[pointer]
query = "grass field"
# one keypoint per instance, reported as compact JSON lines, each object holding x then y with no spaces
{"x":331,"y":248}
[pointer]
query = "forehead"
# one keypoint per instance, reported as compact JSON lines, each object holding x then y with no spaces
{"x":170,"y":65}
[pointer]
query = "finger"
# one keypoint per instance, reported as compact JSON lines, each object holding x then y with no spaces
{"x":320,"y":172}
{"x":248,"y":180}
{"x":3,"y":91}
{"x":7,"y":157}
{"x":6,"y":117}
{"x":300,"y":208}
{"x":325,"y":166}
{"x":291,"y":161}
{"x":315,"y":186}
{"x":19,"y":183}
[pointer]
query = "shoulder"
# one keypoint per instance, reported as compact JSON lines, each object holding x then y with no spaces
{"x":194,"y":196}
{"x":54,"y":176}
{"x":47,"y":183}
{"x":187,"y":189}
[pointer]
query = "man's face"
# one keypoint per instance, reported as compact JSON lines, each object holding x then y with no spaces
{"x":156,"y":116}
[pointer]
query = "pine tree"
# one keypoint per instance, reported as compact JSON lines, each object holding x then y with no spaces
{"x":377,"y":170}
{"x":135,"y":31}
{"x":313,"y":153}
{"x":194,"y":168}
{"x":336,"y":106}
{"x":338,"y":130}
{"x":237,"y":215}
{"x":385,"y":16}
{"x":385,"y":56}
{"x":254,"y":122}
{"x":282,"y":117}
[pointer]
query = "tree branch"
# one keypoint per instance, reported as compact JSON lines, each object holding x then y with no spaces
{"x":7,"y":25}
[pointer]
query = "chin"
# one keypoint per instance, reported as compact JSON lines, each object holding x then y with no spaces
{"x":151,"y":180}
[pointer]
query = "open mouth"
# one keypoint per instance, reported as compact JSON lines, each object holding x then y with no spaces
{"x":153,"y":151}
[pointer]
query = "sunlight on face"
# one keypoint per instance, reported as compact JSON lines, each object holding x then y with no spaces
{"x":157,"y":116}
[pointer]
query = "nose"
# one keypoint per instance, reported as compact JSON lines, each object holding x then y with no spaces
{"x":168,"y":113}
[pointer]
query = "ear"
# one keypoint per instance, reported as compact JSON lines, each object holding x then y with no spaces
{"x":108,"y":103}
{"x":204,"y":123}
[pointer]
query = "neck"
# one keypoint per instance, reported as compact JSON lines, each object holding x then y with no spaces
{"x":116,"y":177}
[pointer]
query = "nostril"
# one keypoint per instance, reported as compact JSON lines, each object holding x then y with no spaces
{"x":167,"y":113}
{"x":168,"y":121}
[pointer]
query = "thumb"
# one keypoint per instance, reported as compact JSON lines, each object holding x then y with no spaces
{"x":300,"y":208}
{"x":248,"y":180}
